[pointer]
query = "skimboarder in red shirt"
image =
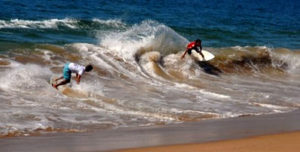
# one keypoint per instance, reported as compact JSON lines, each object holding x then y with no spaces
{"x":196,"y":45}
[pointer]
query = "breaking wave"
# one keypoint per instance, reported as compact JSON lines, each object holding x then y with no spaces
{"x":59,"y":23}
{"x":139,"y":80}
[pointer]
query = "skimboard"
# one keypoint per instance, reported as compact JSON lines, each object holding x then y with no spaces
{"x":207,"y":55}
{"x":67,"y":90}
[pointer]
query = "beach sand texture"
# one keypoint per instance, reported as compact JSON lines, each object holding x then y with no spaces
{"x":285,"y":142}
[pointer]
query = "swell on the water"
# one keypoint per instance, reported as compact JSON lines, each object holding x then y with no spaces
{"x":140,"y":80}
{"x":252,"y":60}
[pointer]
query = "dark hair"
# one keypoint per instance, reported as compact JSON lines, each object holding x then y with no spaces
{"x":198,"y":41}
{"x":88,"y":68}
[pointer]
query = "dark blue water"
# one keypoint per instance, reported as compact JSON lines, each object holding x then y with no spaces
{"x":272,"y":23}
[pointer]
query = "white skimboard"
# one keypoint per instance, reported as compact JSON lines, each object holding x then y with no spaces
{"x":207,"y":55}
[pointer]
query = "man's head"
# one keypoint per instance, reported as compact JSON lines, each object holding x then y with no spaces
{"x":198,"y":41}
{"x":88,"y":68}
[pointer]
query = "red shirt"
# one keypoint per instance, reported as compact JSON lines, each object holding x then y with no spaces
{"x":191,"y":45}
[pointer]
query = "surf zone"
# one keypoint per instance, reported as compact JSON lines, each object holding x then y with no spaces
{"x":139,"y":79}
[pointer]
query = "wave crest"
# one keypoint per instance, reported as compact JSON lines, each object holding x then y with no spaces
{"x":145,"y":37}
{"x":57,"y":23}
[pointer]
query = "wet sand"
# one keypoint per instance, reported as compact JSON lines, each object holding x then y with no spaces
{"x":186,"y":133}
{"x":284,"y":142}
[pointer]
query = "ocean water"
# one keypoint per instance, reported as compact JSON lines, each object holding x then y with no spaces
{"x":138,"y":77}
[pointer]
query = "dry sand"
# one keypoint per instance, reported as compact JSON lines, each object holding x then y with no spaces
{"x":284,"y":142}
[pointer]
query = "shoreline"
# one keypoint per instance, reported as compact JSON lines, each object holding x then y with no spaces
{"x":153,"y":136}
{"x":282,"y":142}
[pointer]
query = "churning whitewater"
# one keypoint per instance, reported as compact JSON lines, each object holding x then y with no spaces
{"x":138,"y":80}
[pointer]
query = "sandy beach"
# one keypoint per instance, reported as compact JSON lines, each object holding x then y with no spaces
{"x":284,"y":142}
{"x":276,"y":132}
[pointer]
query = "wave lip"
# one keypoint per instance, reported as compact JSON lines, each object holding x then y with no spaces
{"x":144,"y":37}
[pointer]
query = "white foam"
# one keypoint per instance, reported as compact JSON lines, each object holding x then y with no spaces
{"x":92,"y":53}
{"x":216,"y":95}
{"x":112,"y":22}
{"x":100,"y":56}
{"x":270,"y":106}
{"x":148,"y":34}
{"x":138,"y":113}
{"x":184,"y":86}
{"x":8,"y":126}
{"x":292,"y":59}
{"x":89,"y":87}
{"x":51,"y":23}
{"x":25,"y":77}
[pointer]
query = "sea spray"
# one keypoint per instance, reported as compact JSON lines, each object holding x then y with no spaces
{"x":148,"y":35}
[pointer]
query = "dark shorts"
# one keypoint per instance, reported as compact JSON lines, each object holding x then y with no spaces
{"x":190,"y":50}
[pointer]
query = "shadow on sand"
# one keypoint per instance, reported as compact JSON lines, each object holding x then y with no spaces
{"x":209,"y":68}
